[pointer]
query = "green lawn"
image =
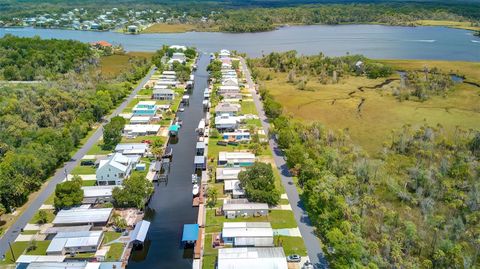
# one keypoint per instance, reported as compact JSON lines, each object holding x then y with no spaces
{"x":139,"y":139}
{"x":248,"y":107}
{"x":20,"y":248}
{"x":115,"y":252}
{"x":209,"y":261}
{"x":88,"y":183}
{"x":110,"y":236}
{"x":50,"y":199}
{"x":36,"y":217}
{"x":97,"y":150}
{"x":83,"y":170}
{"x":278,"y":218}
{"x":291,"y":245}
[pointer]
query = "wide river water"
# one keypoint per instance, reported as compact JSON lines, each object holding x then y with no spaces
{"x":375,"y":41}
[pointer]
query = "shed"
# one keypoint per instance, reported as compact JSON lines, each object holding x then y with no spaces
{"x":190,"y":233}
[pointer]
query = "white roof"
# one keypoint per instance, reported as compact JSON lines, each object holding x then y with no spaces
{"x":247,"y":229}
{"x":168,"y":72}
{"x":159,"y":87}
{"x":97,"y":191}
{"x":140,"y":119}
{"x":226,"y":120}
{"x":82,"y":215}
{"x":117,"y":160}
{"x":147,"y":103}
{"x":242,"y":204}
{"x":64,"y":265}
{"x":224,"y":155}
{"x":74,"y":239}
{"x":199,"y":159}
{"x":234,"y":186}
{"x":200,"y":145}
{"x":40,"y":258}
{"x":226,"y":173}
{"x":141,"y":128}
{"x":140,"y":231}
{"x":229,"y":88}
{"x":252,"y":258}
{"x":131,"y":146}
{"x":163,"y":91}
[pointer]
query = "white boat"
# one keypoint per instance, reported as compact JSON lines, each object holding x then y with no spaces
{"x":195,"y":190}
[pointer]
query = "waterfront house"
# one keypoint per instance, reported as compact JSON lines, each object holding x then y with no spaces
{"x":134,"y":130}
{"x":200,"y":148}
{"x":224,"y":53}
{"x":224,"y":108}
{"x":178,"y":57}
{"x":145,"y":108}
{"x":234,"y":188}
{"x":114,"y":169}
{"x":228,"y":89}
{"x":132,"y":148}
{"x":253,"y":258}
{"x":248,"y":234}
{"x":83,"y":215}
{"x":230,"y":81}
{"x":237,"y":135}
{"x":224,"y":122}
{"x":227,"y":173}
{"x":233,"y":208}
{"x":236,"y":159}
{"x":75,"y":242}
{"x":97,"y":194}
{"x":169,"y":72}
{"x":163,"y":94}
{"x":167,"y":82}
{"x":140,"y":119}
{"x":231,"y":97}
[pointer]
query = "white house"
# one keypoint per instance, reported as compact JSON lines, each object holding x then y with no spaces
{"x":178,"y":57}
{"x":225,"y":122}
{"x":233,"y":208}
{"x":132,"y":148}
{"x":163,"y":94}
{"x":140,"y":119}
{"x":230,"y":81}
{"x":114,"y":170}
{"x":248,"y":234}
{"x":252,"y":258}
{"x":228,"y":173}
{"x":82,"y":216}
{"x":133,"y":130}
{"x":97,"y":194}
{"x":224,"y":108}
{"x":236,"y":159}
{"x":75,"y":242}
{"x":228,"y":89}
{"x":234,"y":188}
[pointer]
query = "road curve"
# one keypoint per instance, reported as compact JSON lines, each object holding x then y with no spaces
{"x":307,"y":231}
{"x":59,"y":175}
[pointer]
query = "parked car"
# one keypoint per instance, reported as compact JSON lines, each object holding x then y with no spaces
{"x":294,"y":258}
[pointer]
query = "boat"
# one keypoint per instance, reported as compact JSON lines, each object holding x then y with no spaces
{"x":194,"y":179}
{"x":195,"y":190}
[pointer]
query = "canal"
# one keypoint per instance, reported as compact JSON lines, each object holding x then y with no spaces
{"x":171,"y":204}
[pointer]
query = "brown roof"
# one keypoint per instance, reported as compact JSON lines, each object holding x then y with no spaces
{"x":101,"y":43}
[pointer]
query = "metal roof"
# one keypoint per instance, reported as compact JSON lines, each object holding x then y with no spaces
{"x":82,"y":215}
{"x":131,"y":146}
{"x":190,"y":232}
{"x":242,"y":204}
{"x":140,"y":231}
{"x":200,"y":145}
{"x":226,"y":173}
{"x":80,"y":228}
{"x":247,"y":229}
{"x":199,"y":160}
{"x":74,"y":240}
{"x":64,"y":265}
{"x":97,"y":191}
{"x":252,"y":258}
{"x":40,"y":258}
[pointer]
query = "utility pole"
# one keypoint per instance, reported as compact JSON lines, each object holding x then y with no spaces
{"x":11,"y":250}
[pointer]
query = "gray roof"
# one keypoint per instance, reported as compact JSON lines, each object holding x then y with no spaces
{"x":253,"y":258}
{"x":82,"y":215}
{"x":199,"y":160}
{"x":226,"y":107}
{"x":80,"y":228}
{"x":200,"y":145}
{"x":131,"y":146}
{"x":163,"y":91}
{"x":140,"y":231}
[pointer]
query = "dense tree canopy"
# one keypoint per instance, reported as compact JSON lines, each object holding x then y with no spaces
{"x":68,"y":193}
{"x":112,"y":132}
{"x":38,"y":59}
{"x":135,"y":191}
{"x":417,"y":205}
{"x":259,"y":183}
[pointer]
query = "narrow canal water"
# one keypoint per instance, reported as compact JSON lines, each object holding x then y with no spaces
{"x":171,"y":204}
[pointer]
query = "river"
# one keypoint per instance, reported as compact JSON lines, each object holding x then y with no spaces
{"x":375,"y":41}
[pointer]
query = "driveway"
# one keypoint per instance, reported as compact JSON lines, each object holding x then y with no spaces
{"x":307,"y":231}
{"x":63,"y":171}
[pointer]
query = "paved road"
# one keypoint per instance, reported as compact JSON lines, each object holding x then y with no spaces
{"x":171,"y":204}
{"x":59,"y":175}
{"x":312,"y":243}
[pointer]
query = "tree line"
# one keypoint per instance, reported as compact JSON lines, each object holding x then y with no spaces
{"x":24,"y":58}
{"x":416,"y":205}
{"x":42,"y":124}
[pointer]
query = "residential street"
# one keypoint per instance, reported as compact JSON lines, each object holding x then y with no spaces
{"x":312,"y":243}
{"x":61,"y":172}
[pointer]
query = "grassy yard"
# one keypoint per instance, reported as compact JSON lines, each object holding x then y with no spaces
{"x":88,"y":183}
{"x":169,"y":28}
{"x":209,"y":261}
{"x":20,"y":248}
{"x":278,"y":218}
{"x":113,"y":65}
{"x":139,"y":139}
{"x":291,"y":245}
{"x":248,"y":107}
{"x":110,"y":236}
{"x":83,"y":170}
{"x":335,"y":105}
{"x":96,"y":149}
{"x":115,"y":252}
{"x":36,"y":217}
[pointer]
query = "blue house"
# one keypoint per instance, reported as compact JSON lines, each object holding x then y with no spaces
{"x":145,"y":108}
